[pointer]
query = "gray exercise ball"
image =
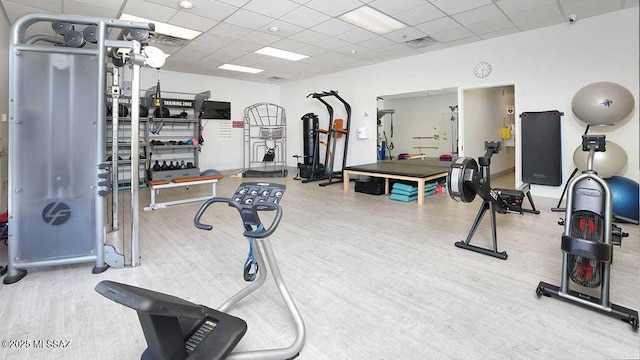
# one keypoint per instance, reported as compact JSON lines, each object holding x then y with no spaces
{"x":607,"y":164}
{"x":602,"y":103}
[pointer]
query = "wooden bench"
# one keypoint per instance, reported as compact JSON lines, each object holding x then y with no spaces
{"x":156,"y":185}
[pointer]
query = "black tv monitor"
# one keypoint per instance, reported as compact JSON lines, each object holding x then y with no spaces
{"x":216,"y":110}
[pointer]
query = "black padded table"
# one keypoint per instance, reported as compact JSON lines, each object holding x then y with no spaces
{"x":418,"y":170}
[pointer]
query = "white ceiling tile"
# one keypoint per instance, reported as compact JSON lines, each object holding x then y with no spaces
{"x":311,"y":50}
{"x":109,"y":4}
{"x":230,"y":30}
{"x":630,"y":3}
{"x":393,"y":7}
{"x":249,"y":60}
{"x":51,"y":5}
{"x":463,"y":41}
{"x":453,"y":34}
{"x":488,"y":26}
{"x":332,"y":43}
{"x":168,"y":3}
{"x":286,"y":29}
{"x":334,"y":7}
{"x":420,"y":15}
{"x":370,"y":55}
{"x":405,"y":34}
{"x":516,"y":6}
{"x":357,"y":35}
{"x":308,"y":36}
{"x":217,"y":57}
{"x":236,"y":3}
{"x":586,"y":8}
{"x":498,"y":33}
{"x":304,"y":17}
{"x":245,"y":45}
{"x":235,"y":53}
{"x":333,"y":27}
{"x":148,"y":10}
{"x":78,"y":8}
{"x":271,"y":8}
{"x":248,"y":19}
{"x":455,"y":6}
{"x":214,"y":39}
{"x":191,"y":21}
{"x":538,"y":17}
{"x":351,"y":49}
{"x":398,"y":50}
{"x":271,"y":62}
{"x":439,"y":25}
{"x":261,"y":38}
{"x":211,"y":9}
{"x":377,"y":43}
{"x":477,"y":15}
{"x":288,"y":44}
{"x":194,"y":51}
{"x":16,"y":10}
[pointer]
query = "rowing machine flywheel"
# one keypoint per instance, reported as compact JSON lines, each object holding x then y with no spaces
{"x":460,"y":178}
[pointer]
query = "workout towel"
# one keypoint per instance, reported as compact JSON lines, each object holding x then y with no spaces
{"x":409,"y":190}
{"x":408,"y":198}
{"x":404,"y":198}
{"x":414,"y":191}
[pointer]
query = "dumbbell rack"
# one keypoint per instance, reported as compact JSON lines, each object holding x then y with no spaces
{"x":172,"y":142}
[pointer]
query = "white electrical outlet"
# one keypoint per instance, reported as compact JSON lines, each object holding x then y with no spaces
{"x":4,"y":117}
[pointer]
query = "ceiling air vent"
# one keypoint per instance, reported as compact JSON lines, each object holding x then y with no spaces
{"x":166,"y":40}
{"x":420,"y":43}
{"x":276,"y":78}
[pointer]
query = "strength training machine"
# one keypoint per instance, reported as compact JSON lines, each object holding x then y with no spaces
{"x":465,"y":180}
{"x":178,"y":329}
{"x":587,"y":241}
{"x":311,"y":169}
{"x":58,"y":202}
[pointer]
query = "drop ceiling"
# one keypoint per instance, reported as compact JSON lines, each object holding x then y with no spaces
{"x":233,"y":29}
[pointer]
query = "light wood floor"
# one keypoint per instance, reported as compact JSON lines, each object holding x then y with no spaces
{"x":373,"y":279}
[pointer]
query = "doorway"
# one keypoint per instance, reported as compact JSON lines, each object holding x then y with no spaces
{"x":488,"y":114}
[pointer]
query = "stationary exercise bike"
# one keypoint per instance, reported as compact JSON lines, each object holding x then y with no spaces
{"x":587,"y":241}
{"x":465,"y":180}
{"x":177,"y":329}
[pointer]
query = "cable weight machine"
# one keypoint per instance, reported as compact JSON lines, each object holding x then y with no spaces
{"x":465,"y":180}
{"x":313,"y":170}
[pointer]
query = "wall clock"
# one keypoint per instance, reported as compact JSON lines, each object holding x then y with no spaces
{"x":482,"y":70}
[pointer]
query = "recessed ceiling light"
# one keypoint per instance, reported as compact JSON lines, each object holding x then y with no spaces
{"x":274,"y":29}
{"x":353,"y":52}
{"x":186,"y":4}
{"x":240,"y":68}
{"x":283,"y":54}
{"x":164,"y":28}
{"x":372,"y":20}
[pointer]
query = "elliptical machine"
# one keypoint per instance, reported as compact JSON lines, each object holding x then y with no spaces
{"x":177,"y":329}
{"x":465,"y":180}
{"x":587,"y":241}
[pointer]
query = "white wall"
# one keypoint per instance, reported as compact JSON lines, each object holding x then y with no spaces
{"x":486,"y":113}
{"x":4,"y":109}
{"x":547,"y":67}
{"x":217,"y":153}
{"x":421,"y":116}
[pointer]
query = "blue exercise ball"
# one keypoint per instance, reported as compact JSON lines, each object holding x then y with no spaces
{"x":625,"y":197}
